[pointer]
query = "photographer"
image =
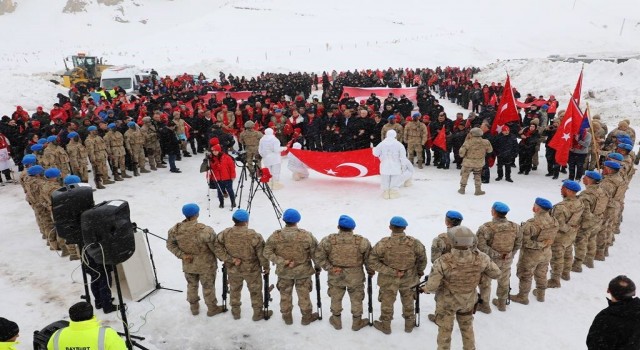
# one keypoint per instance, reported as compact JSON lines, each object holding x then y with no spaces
{"x":222,"y":172}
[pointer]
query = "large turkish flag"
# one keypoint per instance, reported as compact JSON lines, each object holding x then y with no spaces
{"x":358,"y":163}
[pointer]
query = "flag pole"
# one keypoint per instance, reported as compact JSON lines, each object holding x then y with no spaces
{"x":594,"y":143}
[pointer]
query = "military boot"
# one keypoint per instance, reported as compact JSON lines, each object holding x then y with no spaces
{"x":64,"y":251}
{"x":409,"y":324}
{"x":258,"y":314}
{"x":539,"y":293}
{"x":124,"y":174}
{"x":386,"y":194}
{"x":160,"y":166}
{"x":153,"y":167}
{"x":566,"y":275}
{"x":588,"y":262}
{"x":500,"y":303}
{"x":554,"y":282}
{"x":235,"y":312}
{"x":431,"y":317}
{"x":577,"y":266}
{"x":307,"y":318}
{"x":606,"y":251}
{"x":520,"y":299}
{"x":461,"y":190}
{"x":599,"y":255}
{"x":359,"y":323}
{"x":479,"y":191}
{"x":383,"y":326}
{"x":116,"y":174}
{"x":288,"y":318}
{"x":144,"y":170}
{"x":99,"y":184}
{"x":195,"y":308}
{"x":135,"y":171}
{"x":484,"y":307}
{"x":107,"y":181}
{"x":336,"y":321}
{"x":214,"y":310}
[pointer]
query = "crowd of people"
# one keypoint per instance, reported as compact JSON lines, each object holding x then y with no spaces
{"x":169,"y":117}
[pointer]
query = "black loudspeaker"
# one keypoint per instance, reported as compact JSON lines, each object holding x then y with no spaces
{"x":41,"y":338}
{"x":108,"y":232}
{"x":68,"y":203}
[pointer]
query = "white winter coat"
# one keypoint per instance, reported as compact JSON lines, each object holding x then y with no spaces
{"x":269,"y":149}
{"x":390,"y":152}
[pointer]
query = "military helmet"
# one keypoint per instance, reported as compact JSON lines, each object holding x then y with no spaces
{"x":461,"y":236}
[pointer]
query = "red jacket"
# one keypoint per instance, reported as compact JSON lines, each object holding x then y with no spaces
{"x":222,"y":166}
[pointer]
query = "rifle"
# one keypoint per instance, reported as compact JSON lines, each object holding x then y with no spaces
{"x":225,"y":288}
{"x":509,"y":295}
{"x":319,"y":302}
{"x":418,"y":288}
{"x":267,"y":296}
{"x":370,"y":297}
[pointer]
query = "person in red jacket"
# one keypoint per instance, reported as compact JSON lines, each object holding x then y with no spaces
{"x":222,"y":172}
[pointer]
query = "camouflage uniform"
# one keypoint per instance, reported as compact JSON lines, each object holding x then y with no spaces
{"x":241,"y":242}
{"x":500,"y":239}
{"x":191,"y":238}
{"x":538,"y":234}
{"x":395,"y":126}
{"x":615,"y":187}
{"x":454,"y":278}
{"x":115,"y":149}
{"x":152,"y":145}
{"x":55,"y":156}
{"x":134,"y":143}
{"x":569,"y":215}
{"x":594,"y":200}
{"x":97,"y":150}
{"x":250,"y":138}
{"x":78,"y":158}
{"x":297,"y":245}
{"x":415,"y":136}
{"x":473,"y":152}
{"x":31,"y":185}
{"x":47,"y":187}
{"x":397,"y":253}
{"x":342,"y":255}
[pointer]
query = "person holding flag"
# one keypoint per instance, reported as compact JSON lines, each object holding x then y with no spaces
{"x":580,"y":147}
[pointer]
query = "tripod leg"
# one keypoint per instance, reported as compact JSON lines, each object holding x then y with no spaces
{"x":123,"y":312}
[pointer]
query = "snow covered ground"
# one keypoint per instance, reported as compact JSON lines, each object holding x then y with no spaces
{"x":249,"y":36}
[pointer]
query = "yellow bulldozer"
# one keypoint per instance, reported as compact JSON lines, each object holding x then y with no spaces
{"x":86,"y":70}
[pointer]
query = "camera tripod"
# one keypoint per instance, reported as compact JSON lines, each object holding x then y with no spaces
{"x":255,"y":185}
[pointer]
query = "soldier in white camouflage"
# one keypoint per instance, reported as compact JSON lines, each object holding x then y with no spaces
{"x":241,"y":250}
{"x":400,"y":261}
{"x":454,"y":278}
{"x":343,"y":255}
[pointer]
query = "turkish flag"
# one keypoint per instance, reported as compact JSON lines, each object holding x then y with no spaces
{"x":567,"y":130}
{"x":441,"y":139}
{"x":507,"y":111}
{"x":358,"y":163}
{"x":577,"y":92}
{"x":494,"y":100}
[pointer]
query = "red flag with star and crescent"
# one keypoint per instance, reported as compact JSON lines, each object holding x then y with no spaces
{"x":577,"y":92}
{"x":507,"y":111}
{"x":567,"y":130}
{"x":441,"y":139}
{"x":359,"y":163}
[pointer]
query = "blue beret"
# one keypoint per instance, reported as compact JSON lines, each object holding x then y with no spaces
{"x":37,"y":147}
{"x":131,"y":124}
{"x":452,"y":214}
{"x":52,"y":138}
{"x":29,"y":159}
{"x":52,"y":173}
{"x":611,"y":164}
{"x":71,"y":179}
{"x":415,"y":115}
{"x":291,"y":216}
{"x":241,"y":215}
{"x":278,"y":110}
{"x":391,"y":117}
{"x":625,"y":139}
{"x":72,"y":134}
{"x":42,"y":141}
{"x":398,"y":221}
{"x":500,"y":207}
{"x":190,"y":209}
{"x":617,"y":156}
{"x":92,"y":128}
{"x":111,"y":125}
{"x":593,"y":174}
{"x":571,"y":185}
{"x":625,"y":146}
{"x":35,"y":170}
{"x":544,"y":203}
{"x":345,"y":221}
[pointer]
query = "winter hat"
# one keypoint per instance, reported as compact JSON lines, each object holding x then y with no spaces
{"x":506,"y":128}
{"x":268,"y":131}
{"x":346,"y":222}
{"x":8,"y":329}
{"x":612,"y":165}
{"x":42,"y":141}
{"x":92,"y":128}
{"x":72,"y":134}
{"x":477,"y":132}
{"x":29,"y":159}
{"x":296,"y":145}
{"x":214,"y":141}
{"x":572,"y":186}
{"x":249,"y":124}
{"x":408,"y":119}
{"x":81,"y":311}
{"x":452,"y":214}
{"x":398,"y":221}
{"x":71,"y":179}
{"x":131,"y":124}
{"x":500,"y":207}
{"x":241,"y":215}
{"x":544,"y":203}
{"x":617,"y":156}
{"x":52,"y":173}
{"x":216,"y":148}
{"x":291,"y":216}
{"x":52,"y":138}
{"x":535,"y":122}
{"x":111,"y":125}
{"x":35,"y":170}
{"x":190,"y":210}
{"x":625,"y":147}
{"x":37,"y":147}
{"x":593,"y":174}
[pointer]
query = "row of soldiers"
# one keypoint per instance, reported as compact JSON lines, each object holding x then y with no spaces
{"x":103,"y":149}
{"x":462,"y":261}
